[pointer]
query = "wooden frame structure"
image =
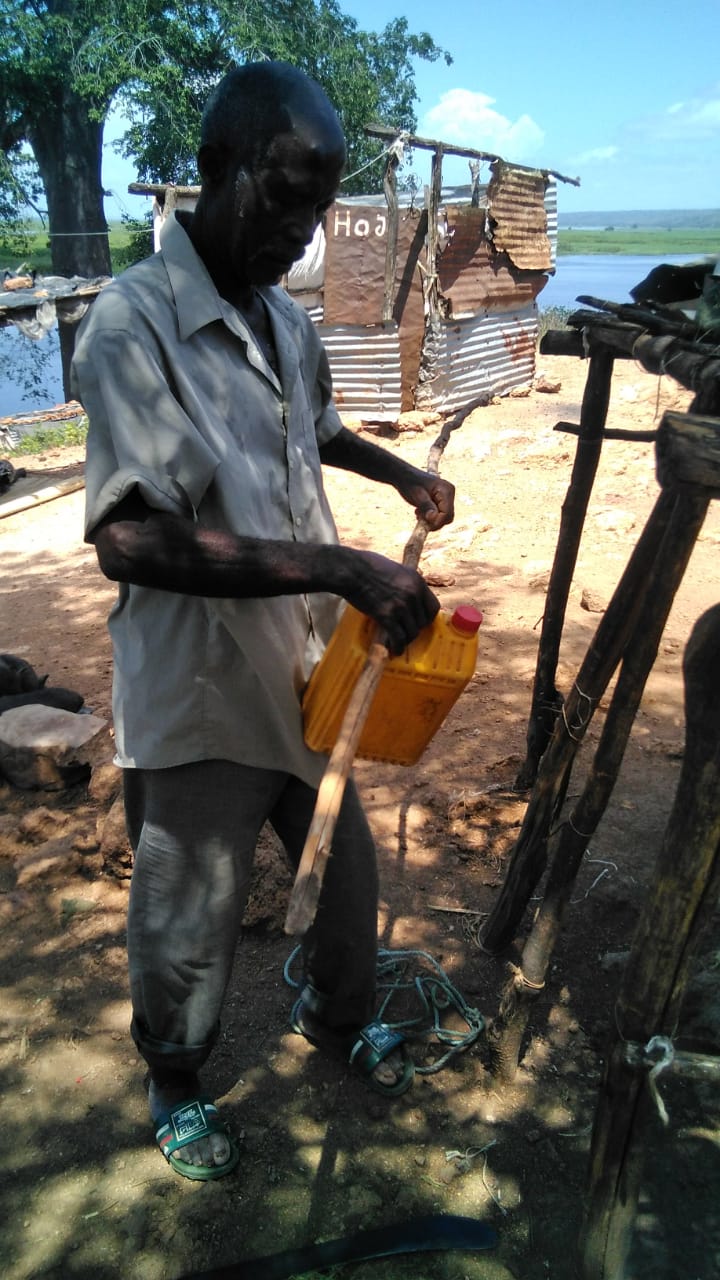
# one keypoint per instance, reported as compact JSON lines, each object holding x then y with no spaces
{"x":688,"y":873}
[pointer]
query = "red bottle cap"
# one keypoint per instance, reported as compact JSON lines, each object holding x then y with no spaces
{"x":466,"y":619}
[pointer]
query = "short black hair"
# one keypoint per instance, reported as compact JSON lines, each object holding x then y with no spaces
{"x":251,"y":105}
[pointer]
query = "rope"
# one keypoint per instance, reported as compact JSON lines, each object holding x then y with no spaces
{"x":657,"y":1055}
{"x":395,"y":148}
{"x":654,"y":1057}
{"x":416,"y":978}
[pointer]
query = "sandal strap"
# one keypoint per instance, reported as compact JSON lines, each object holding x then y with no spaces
{"x":186,"y":1123}
{"x":374,"y":1043}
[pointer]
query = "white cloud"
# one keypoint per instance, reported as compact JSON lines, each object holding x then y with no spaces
{"x":468,"y":119}
{"x":596,"y":155}
{"x":697,"y":119}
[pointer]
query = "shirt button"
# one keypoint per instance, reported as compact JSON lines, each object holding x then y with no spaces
{"x":298,"y":520}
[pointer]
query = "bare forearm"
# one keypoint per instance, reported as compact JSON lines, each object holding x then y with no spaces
{"x":432,"y":497}
{"x":351,"y":453}
{"x":169,"y":553}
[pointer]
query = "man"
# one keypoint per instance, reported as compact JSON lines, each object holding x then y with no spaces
{"x":209,"y":399}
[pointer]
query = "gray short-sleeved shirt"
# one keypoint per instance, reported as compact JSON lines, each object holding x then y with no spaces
{"x":183,"y":405}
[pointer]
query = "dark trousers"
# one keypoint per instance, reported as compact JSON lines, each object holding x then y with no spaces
{"x":193,"y":829}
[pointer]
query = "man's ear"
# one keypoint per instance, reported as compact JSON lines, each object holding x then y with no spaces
{"x":212,"y":163}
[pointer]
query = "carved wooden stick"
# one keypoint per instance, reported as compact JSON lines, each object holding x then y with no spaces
{"x":311,"y":870}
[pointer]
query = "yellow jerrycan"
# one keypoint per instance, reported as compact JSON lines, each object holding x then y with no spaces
{"x":415,"y":693}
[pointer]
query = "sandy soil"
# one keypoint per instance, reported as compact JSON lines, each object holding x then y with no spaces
{"x":86,"y":1194}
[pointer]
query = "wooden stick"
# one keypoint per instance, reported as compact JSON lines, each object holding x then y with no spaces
{"x":529,"y":854}
{"x":574,"y":835}
{"x":306,"y":890}
{"x":311,"y":871}
{"x":546,"y":700}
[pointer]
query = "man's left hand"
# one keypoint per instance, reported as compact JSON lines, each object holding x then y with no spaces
{"x":432,"y":497}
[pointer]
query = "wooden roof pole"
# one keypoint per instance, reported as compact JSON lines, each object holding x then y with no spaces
{"x":390,"y":188}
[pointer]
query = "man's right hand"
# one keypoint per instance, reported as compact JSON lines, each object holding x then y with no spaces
{"x":398,"y":599}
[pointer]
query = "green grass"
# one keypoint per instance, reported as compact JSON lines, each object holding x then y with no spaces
{"x":38,"y":256}
{"x":51,"y":437}
{"x":695,"y":240}
{"x":553,"y":318}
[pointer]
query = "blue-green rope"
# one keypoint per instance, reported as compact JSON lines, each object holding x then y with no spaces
{"x":434,"y":992}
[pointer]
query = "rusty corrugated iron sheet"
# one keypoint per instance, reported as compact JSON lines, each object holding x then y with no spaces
{"x":552,"y":219}
{"x":365,"y":367}
{"x":472,"y":275}
{"x":480,"y":356}
{"x":356,"y":245}
{"x":517,"y":216}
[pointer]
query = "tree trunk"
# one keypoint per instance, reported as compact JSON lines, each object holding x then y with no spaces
{"x":68,"y":148}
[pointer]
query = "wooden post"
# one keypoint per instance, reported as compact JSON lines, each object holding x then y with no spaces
{"x":390,"y":188}
{"x":529,"y":853}
{"x":678,"y":909}
{"x":575,"y":834}
{"x":431,"y":294}
{"x":546,"y":700}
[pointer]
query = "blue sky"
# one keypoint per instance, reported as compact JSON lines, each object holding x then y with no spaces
{"x":624,"y":95}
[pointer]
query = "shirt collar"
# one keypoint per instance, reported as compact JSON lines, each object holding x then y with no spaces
{"x":196,"y":298}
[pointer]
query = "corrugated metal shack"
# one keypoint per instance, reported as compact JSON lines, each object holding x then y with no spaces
{"x":425,"y":305}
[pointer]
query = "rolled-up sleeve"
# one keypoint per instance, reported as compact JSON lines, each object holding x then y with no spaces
{"x":139,"y":434}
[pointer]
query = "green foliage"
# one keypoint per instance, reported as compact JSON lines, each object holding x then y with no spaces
{"x":19,"y":188}
{"x":552,"y":318}
{"x":36,"y":252}
{"x":51,"y":437}
{"x":695,"y":240}
{"x":137,"y":242}
{"x":69,"y":60}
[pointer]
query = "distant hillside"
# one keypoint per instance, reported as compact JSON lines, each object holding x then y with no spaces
{"x":664,"y":219}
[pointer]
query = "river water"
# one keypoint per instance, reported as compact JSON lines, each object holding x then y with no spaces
{"x":30,"y":372}
{"x":600,"y":275}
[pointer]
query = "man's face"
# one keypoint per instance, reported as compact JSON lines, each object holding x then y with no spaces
{"x":276,"y":208}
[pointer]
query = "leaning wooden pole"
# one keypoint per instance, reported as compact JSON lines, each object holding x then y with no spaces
{"x":310,"y":875}
{"x":574,"y":835}
{"x":546,"y":701}
{"x":680,"y":905}
{"x":529,"y":855}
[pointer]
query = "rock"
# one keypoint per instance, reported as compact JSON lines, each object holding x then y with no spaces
{"x":42,"y":824}
{"x":591,"y":601}
{"x":17,"y":675}
{"x":547,"y":385}
{"x":46,"y":748}
{"x":616,"y":521}
{"x":66,"y":699}
{"x":105,"y":783}
{"x":45,"y":860}
{"x":414,"y":420}
{"x":115,"y":847}
{"x":13,"y":905}
{"x":520,"y":393}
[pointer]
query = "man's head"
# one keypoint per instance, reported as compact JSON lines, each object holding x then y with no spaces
{"x":271,"y":155}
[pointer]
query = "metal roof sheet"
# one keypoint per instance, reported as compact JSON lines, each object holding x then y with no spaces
{"x":518,"y":218}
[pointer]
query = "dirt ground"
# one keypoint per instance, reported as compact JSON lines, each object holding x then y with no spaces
{"x":84,"y":1191}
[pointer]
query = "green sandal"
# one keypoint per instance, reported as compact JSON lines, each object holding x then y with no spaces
{"x":362,"y":1050}
{"x":186,"y":1123}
